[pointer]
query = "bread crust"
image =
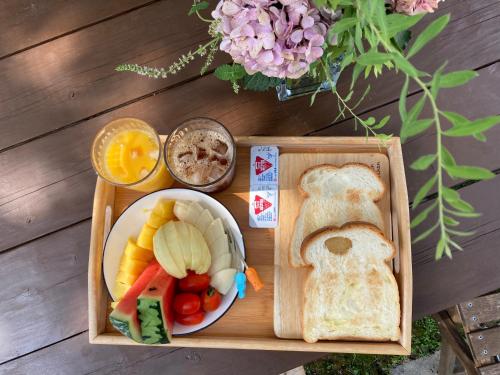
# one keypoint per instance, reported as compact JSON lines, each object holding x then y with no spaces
{"x":333,"y":230}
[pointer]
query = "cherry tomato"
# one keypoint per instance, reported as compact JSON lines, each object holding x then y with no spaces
{"x":186,"y":303}
{"x":189,"y":320}
{"x":194,"y":283}
{"x":210,"y":299}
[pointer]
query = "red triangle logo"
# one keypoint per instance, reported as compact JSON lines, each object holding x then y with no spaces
{"x":261,"y":165}
{"x":260,"y":204}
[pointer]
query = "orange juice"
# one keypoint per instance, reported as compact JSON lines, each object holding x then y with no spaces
{"x":127,"y":152}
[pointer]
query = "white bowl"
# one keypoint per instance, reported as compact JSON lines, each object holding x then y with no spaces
{"x":130,"y":223}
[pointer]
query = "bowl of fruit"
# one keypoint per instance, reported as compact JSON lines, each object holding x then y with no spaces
{"x":169,"y":263}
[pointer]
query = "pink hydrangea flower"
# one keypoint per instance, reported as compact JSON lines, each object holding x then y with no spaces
{"x":412,"y":7}
{"x":279,"y":38}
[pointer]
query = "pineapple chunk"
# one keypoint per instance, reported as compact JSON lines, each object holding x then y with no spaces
{"x":156,"y":220}
{"x":132,"y":266}
{"x":120,"y":290}
{"x":145,"y":239}
{"x":125,"y":278}
{"x":133,"y":251}
{"x":165,"y":209}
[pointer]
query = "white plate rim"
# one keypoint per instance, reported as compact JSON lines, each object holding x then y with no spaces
{"x":238,"y":237}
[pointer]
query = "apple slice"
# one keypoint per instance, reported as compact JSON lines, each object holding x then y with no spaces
{"x":223,"y":280}
{"x":183,"y":236}
{"x":199,"y":251}
{"x":219,"y":247}
{"x":163,"y":255}
{"x":220,"y":263}
{"x":214,"y":231}
{"x":204,"y":220}
{"x":174,"y":246}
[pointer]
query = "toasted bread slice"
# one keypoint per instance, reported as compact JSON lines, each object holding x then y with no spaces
{"x":350,"y":292}
{"x":335,"y":196}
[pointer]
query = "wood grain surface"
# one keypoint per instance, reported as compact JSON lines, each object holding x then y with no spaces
{"x":59,"y":87}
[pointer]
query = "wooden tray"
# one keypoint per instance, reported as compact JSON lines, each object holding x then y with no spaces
{"x":249,"y":323}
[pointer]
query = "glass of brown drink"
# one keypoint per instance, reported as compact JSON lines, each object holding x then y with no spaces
{"x":201,"y":154}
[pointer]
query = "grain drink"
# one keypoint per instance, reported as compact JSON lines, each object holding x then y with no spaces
{"x":200,"y":153}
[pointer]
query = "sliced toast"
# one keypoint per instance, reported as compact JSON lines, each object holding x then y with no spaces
{"x":350,"y":292}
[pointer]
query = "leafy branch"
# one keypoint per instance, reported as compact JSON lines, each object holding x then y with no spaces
{"x":367,"y":35}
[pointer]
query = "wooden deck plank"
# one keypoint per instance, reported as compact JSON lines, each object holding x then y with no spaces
{"x":76,"y":356}
{"x":59,"y":168}
{"x":28,"y":23}
{"x":159,"y":33}
{"x":46,"y":298}
{"x":439,"y":285}
{"x":73,"y":77}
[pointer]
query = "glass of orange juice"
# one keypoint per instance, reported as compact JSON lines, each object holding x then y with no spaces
{"x":127,"y":152}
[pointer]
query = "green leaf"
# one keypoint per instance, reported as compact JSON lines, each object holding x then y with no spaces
{"x":419,"y":219}
{"x":358,"y":38}
{"x":404,"y":65}
{"x":470,"y":173}
{"x":423,"y":191}
{"x":429,"y":33}
{"x":426,"y":233}
{"x":398,"y":22}
{"x":373,"y":57}
{"x":355,"y":74}
{"x":473,"y":127}
{"x":382,"y":123}
{"x":458,"y":78}
{"x":196,"y":7}
{"x":450,"y":221}
{"x":450,"y":194}
{"x":447,"y":157}
{"x":370,"y":121}
{"x":343,"y":24}
{"x":436,"y":81}
{"x":423,"y":162}
{"x":402,"y":99}
{"x":461,"y":205}
{"x":230,"y":72}
{"x":414,"y":128}
{"x":465,"y":214}
{"x":455,"y":245}
{"x":259,"y":82}
{"x":480,"y":137}
{"x":402,"y":39}
{"x":460,"y":233}
{"x":440,"y":248}
{"x":456,"y":119}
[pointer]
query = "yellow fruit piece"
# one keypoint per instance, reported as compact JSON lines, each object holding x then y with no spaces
{"x":145,"y":239}
{"x":114,"y":304}
{"x":133,"y":251}
{"x":120,"y":289}
{"x":125,"y":278}
{"x":165,"y":209}
{"x":132,"y":266}
{"x":156,"y":220}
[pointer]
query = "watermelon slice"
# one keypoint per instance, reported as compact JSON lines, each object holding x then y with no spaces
{"x":155,"y":309}
{"x":124,"y":316}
